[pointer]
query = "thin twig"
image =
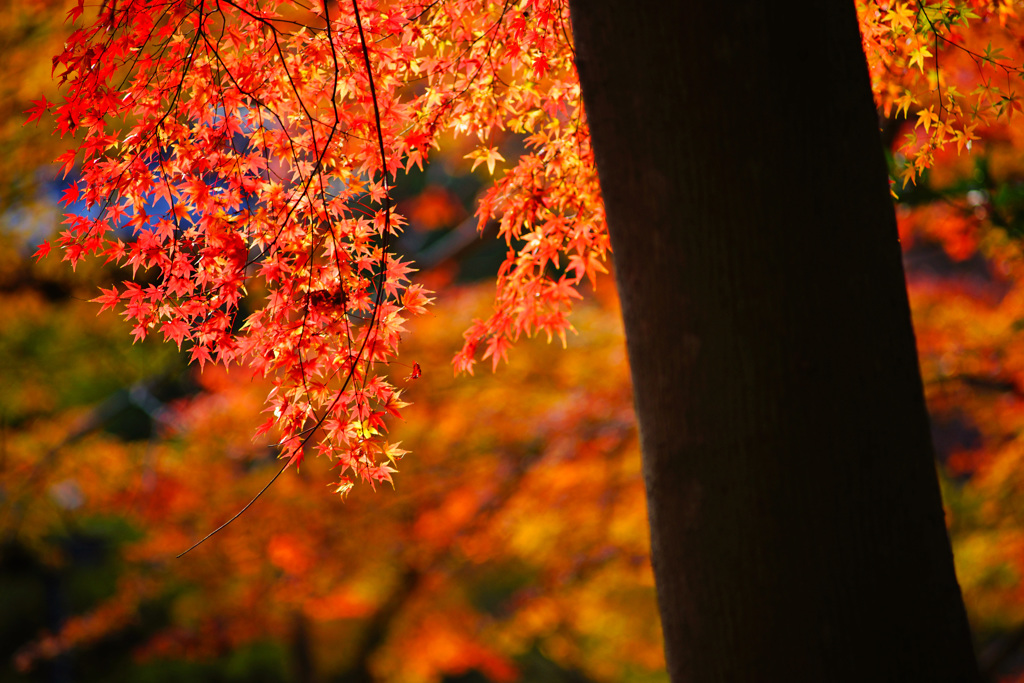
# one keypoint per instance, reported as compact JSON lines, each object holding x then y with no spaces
{"x":237,"y":514}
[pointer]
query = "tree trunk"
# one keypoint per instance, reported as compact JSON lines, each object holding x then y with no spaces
{"x":797,"y":529}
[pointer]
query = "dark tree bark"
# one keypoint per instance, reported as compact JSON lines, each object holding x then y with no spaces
{"x":796,"y":522}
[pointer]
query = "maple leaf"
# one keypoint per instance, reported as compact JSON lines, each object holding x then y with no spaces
{"x":918,"y":55}
{"x":926,"y":117}
{"x":76,"y":11}
{"x":901,"y":15}
{"x":904,"y":102}
{"x":541,"y":66}
{"x":42,"y":250}
{"x":201,"y":353}
{"x":497,"y":350}
{"x":66,"y":162}
{"x":109,"y":299}
{"x":71,"y":194}
{"x":488,"y":155}
{"x":175,"y":329}
{"x":36,"y":111}
{"x":139,"y":332}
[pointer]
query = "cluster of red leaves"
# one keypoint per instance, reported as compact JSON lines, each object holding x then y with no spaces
{"x":226,"y":140}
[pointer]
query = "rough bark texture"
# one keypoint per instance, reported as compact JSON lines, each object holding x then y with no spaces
{"x":796,"y":521}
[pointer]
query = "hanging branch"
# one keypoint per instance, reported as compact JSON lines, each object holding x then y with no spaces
{"x":379,"y":295}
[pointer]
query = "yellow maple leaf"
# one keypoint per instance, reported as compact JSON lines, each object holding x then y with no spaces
{"x":485,"y":155}
{"x":900,"y":15}
{"x":903,"y":103}
{"x":926,"y":117}
{"x":917,"y":56}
